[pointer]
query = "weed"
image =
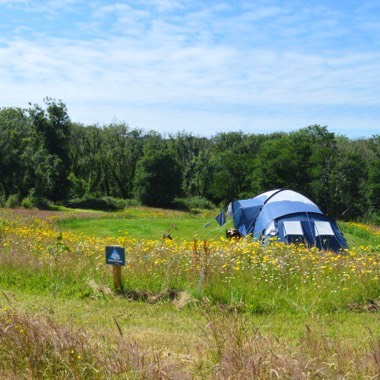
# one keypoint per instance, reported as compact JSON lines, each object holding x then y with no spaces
{"x":40,"y":348}
{"x":225,"y":278}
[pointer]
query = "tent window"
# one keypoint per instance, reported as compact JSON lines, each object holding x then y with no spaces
{"x":293,"y":228}
{"x":323,"y":229}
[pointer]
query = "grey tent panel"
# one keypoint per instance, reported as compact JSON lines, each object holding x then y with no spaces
{"x":323,"y":229}
{"x":293,"y":227}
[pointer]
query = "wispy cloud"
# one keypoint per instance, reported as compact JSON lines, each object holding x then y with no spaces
{"x":171,"y":65}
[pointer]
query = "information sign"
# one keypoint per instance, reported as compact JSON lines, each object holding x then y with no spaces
{"x":115,"y":255}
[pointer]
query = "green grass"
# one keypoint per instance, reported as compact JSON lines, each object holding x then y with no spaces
{"x":145,"y":228}
{"x":71,"y":338}
{"x":56,"y":297}
{"x":356,"y":241}
{"x":141,"y":319}
{"x":146,"y":223}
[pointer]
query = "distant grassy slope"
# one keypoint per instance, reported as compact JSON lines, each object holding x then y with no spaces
{"x":145,"y":228}
{"x":358,"y":234}
{"x":151,"y":223}
{"x":146,"y":223}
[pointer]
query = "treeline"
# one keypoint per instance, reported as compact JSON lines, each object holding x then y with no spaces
{"x":46,"y":156}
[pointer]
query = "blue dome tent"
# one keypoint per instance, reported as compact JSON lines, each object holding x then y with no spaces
{"x":288,"y":216}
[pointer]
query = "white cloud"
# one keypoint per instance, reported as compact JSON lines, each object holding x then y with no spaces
{"x":167,"y":5}
{"x":165,"y":72}
{"x":6,"y":2}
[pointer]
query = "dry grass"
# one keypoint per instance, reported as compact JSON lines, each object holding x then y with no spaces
{"x":39,"y":347}
{"x":240,"y":354}
{"x":182,"y":314}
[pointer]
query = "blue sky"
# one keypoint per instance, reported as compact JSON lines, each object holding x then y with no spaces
{"x":203,"y":67}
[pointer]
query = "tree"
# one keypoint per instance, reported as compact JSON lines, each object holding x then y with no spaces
{"x":53,"y":127}
{"x":369,"y":150}
{"x":122,"y":150}
{"x":227,"y":176}
{"x":15,"y":133}
{"x":315,"y":151}
{"x":193,"y":156}
{"x":158,"y":176}
{"x":274,"y":166}
{"x":230,"y":167}
{"x":374,"y":187}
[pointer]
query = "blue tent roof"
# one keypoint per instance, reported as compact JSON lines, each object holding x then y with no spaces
{"x":253,"y":215}
{"x":268,"y":213}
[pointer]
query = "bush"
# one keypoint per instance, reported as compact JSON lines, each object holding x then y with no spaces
{"x":372,"y":218}
{"x":27,"y":203}
{"x":194,"y":203}
{"x":34,"y":201}
{"x":101,"y":204}
{"x":3,"y":200}
{"x":43,"y":204}
{"x":12,"y":201}
{"x":131,"y":202}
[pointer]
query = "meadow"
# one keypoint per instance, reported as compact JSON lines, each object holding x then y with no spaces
{"x":198,"y":306}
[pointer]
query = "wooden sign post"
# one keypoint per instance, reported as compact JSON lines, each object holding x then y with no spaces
{"x":115,"y":256}
{"x":116,"y":270}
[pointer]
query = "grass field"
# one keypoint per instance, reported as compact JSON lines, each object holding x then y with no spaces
{"x":189,"y":309}
{"x":143,"y":223}
{"x":147,"y":228}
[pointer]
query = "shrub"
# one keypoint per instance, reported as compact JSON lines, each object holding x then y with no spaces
{"x":193,"y":203}
{"x":27,"y":203}
{"x":131,"y":202}
{"x":34,"y":201}
{"x":12,"y":201}
{"x":43,"y":204}
{"x":199,"y":202}
{"x":372,"y":218}
{"x":102,"y":204}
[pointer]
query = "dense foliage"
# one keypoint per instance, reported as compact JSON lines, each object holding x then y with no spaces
{"x":45,"y":155}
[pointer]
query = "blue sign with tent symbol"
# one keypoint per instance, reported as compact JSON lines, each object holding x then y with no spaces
{"x":115,"y":255}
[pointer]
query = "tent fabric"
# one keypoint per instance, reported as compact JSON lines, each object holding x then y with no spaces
{"x":221,"y":218}
{"x":277,"y":212}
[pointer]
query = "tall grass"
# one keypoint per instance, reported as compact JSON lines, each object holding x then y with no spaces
{"x":369,"y":233}
{"x":226,"y":279}
{"x":237,"y":353}
{"x":36,"y":257}
{"x":40,"y":348}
